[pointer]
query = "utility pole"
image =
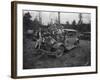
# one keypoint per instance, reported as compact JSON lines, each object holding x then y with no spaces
{"x":80,"y":19}
{"x":40,"y":18}
{"x":58,"y":17}
{"x":40,"y":35}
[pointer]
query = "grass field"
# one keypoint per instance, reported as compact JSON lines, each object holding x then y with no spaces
{"x":80,"y":56}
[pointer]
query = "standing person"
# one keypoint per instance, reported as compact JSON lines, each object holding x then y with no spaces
{"x":39,"y":41}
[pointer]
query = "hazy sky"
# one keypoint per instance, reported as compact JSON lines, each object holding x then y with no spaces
{"x":64,"y":16}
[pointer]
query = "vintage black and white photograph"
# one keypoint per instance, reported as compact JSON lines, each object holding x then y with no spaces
{"x":53,"y":39}
{"x":56,"y":39}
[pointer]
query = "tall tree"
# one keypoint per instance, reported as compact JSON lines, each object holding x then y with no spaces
{"x":27,"y":22}
{"x":80,"y":19}
{"x":74,"y":25}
